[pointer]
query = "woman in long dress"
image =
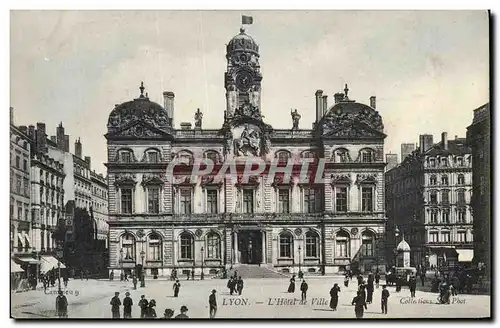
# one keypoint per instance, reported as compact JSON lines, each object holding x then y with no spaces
{"x":291,"y":288}
{"x":334,"y":297}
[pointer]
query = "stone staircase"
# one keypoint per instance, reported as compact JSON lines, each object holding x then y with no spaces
{"x":255,"y":271}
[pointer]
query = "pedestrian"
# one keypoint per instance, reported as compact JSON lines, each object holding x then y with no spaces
{"x":239,"y":285}
{"x":422,"y":277}
{"x":121,"y":276}
{"x":212,"y":303}
{"x":143,"y":304}
{"x":112,"y":275}
{"x":192,"y":274}
{"x":360,"y":280}
{"x":188,"y":274}
{"x":362,"y":290}
{"x":399,"y":282}
{"x":291,"y":287}
{"x":377,"y":279}
{"x":183,"y":314}
{"x":86,"y":274}
{"x":346,"y":280}
{"x":151,"y":312}
{"x":334,"y":297}
{"x":369,"y":289}
{"x":115,"y":306}
{"x":65,"y":279}
{"x":384,"y":299}
{"x":125,"y":276}
{"x":127,"y":306}
{"x":168,"y":314}
{"x":359,"y":305}
{"x":61,"y":305}
{"x":235,"y":275}
{"x":303,"y":289}
{"x":134,"y":281}
{"x":413,"y":285}
{"x":230,"y":285}
{"x":176,"y":287}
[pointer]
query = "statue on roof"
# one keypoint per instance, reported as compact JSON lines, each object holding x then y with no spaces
{"x":198,"y":116}
{"x":295,"y":118}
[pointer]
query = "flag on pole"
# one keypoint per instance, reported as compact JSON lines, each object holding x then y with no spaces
{"x":246,"y":20}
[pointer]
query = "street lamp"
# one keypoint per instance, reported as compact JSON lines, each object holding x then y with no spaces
{"x":202,"y":262}
{"x":396,"y":234}
{"x":143,"y":280}
{"x":121,"y":264}
{"x":299,"y":259}
{"x":35,"y":253}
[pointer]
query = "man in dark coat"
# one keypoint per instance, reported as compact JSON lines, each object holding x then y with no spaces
{"x":115,"y":306}
{"x":360,"y":280}
{"x":369,"y":289}
{"x":359,"y":305}
{"x":134,"y":281}
{"x":239,"y":285}
{"x":230,"y":285}
{"x":143,"y":304}
{"x":61,"y":305}
{"x":192,"y":274}
{"x":127,"y":306}
{"x":212,"y":303}
{"x":177,"y":286}
{"x":384,"y":299}
{"x":183,"y":314}
{"x":377,"y":279}
{"x":413,"y":285}
{"x":303,"y":289}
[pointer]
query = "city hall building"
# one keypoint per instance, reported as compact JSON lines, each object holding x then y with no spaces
{"x":205,"y":224}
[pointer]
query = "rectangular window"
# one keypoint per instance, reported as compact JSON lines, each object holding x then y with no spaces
{"x":312,"y":200}
{"x":19,"y":211}
{"x":154,"y":250}
{"x":446,"y":216}
{"x":367,"y":247}
{"x":18,"y":183}
{"x":461,"y":197}
{"x":311,"y":246}
{"x":367,"y":199}
{"x":153,"y":157}
{"x":284,"y":201}
{"x":341,"y":248}
{"x":25,"y":165}
{"x":433,"y":237}
{"x":462,"y":237}
{"x":126,"y":200}
{"x":433,"y":197}
{"x":444,"y":162}
{"x":341,"y":199}
{"x":211,"y":201}
{"x":185,"y":195}
{"x":434,"y":215}
{"x":461,"y":216}
{"x":125,"y":157}
{"x":17,"y":161}
{"x":186,"y":248}
{"x":247,"y":200}
{"x":26,"y":187}
{"x":446,"y":237}
{"x":154,"y":200}
{"x":445,"y":197}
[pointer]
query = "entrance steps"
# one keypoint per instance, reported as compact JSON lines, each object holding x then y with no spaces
{"x":254,"y":271}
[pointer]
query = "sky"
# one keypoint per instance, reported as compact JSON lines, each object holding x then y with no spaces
{"x":428,"y":69}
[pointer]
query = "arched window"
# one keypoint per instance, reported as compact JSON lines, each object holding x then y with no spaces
{"x":127,"y":251}
{"x":312,"y":244}
{"x":283,"y":156}
{"x":444,"y":180}
{"x":212,"y":156}
{"x":342,"y":244}
{"x":308,"y":154}
{"x":189,"y":158}
{"x":461,"y":196}
{"x":125,"y":156}
{"x":187,"y":246}
{"x":433,"y":180}
{"x":368,"y":243}
{"x":213,"y":246}
{"x":152,"y":156}
{"x":286,"y":245}
{"x":154,"y":247}
{"x":341,"y":155}
{"x":433,"y":197}
{"x":461,"y":179}
{"x":445,"y":197}
{"x":366,"y":156}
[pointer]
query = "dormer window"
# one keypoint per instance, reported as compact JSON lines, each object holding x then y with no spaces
{"x":444,"y":162}
{"x":283,"y":156}
{"x":432,"y":162}
{"x":460,"y":161}
{"x":125,"y":156}
{"x":213,"y":156}
{"x":366,"y":156}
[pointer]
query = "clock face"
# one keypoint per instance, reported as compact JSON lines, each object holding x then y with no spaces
{"x":244,"y":80}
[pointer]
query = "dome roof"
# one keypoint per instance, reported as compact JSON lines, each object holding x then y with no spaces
{"x":242,"y":42}
{"x":403,"y":246}
{"x":139,"y":109}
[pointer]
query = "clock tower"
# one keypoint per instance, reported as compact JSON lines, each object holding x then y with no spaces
{"x":243,"y":77}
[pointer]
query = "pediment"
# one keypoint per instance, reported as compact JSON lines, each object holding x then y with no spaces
{"x":139,"y":130}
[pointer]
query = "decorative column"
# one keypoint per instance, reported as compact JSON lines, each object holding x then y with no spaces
{"x":235,"y":246}
{"x":16,"y":239}
{"x":263,"y":261}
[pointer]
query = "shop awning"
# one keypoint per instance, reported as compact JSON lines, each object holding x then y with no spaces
{"x":14,"y":267}
{"x":29,"y":260}
{"x":465,"y":255}
{"x":48,"y":263}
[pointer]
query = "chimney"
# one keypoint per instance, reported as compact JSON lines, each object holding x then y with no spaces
{"x":319,"y":105}
{"x":66,"y":143}
{"x":23,"y":129}
{"x":325,"y":104}
{"x":426,"y":142}
{"x":185,"y":126}
{"x":41,"y":138}
{"x":444,"y":140}
{"x":78,"y":148}
{"x":88,"y":160}
{"x":53,"y":139}
{"x":373,"y":102}
{"x":31,"y":132}
{"x":338,"y":97}
{"x":168,"y":98}
{"x":11,"y":115}
{"x":60,"y":136}
{"x":406,"y":149}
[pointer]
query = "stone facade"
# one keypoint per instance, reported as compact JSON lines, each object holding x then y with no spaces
{"x":479,"y":139}
{"x":428,"y":199}
{"x":201,"y":223}
{"x":100,"y":204}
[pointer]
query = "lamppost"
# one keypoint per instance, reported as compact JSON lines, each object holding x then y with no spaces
{"x":202,"y":263}
{"x":299,"y":261}
{"x":121,"y":264}
{"x":396,"y":234}
{"x":143,"y":280}
{"x":35,"y":253}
